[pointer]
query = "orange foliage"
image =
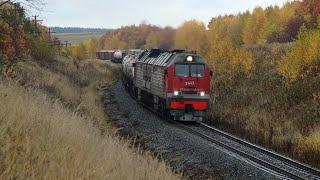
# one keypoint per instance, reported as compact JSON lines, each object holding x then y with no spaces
{"x":6,"y":44}
{"x":133,"y":37}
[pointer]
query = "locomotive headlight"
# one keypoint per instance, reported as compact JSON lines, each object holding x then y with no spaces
{"x":202,"y":93}
{"x":189,"y":58}
{"x":176,"y":93}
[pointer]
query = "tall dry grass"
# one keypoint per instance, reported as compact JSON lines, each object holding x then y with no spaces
{"x":50,"y":128}
{"x":42,"y":139}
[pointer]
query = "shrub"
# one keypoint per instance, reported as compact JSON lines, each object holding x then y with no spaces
{"x":308,"y":149}
{"x":40,"y":49}
{"x":66,"y":52}
{"x":79,"y":52}
{"x":303,"y":60}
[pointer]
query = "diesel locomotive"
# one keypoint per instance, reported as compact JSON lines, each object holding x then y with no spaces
{"x":173,"y":83}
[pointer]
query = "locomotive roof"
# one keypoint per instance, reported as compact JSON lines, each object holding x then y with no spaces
{"x":167,"y":58}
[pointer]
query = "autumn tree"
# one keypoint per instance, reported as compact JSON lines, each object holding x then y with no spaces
{"x":236,"y":30}
{"x":228,"y":61}
{"x":139,"y":37}
{"x":221,"y":26}
{"x":152,"y":42}
{"x":190,"y":36}
{"x":92,"y":46}
{"x":254,"y":28}
{"x":6,"y":44}
{"x":78,"y":53}
{"x":13,"y":18}
{"x":165,"y":38}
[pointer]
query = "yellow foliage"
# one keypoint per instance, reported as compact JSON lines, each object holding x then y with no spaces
{"x":303,"y":59}
{"x":229,"y":61}
{"x":79,"y":52}
{"x":190,"y":36}
{"x":253,"y":30}
{"x":309,"y":148}
{"x":114,"y":43}
{"x":152,"y":42}
{"x":221,"y":26}
{"x":92,"y":46}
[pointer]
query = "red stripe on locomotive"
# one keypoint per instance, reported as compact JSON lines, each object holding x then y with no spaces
{"x":197,"y":105}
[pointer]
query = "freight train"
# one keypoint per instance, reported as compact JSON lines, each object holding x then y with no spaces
{"x":173,"y":83}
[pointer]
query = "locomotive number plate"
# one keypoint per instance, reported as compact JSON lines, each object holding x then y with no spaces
{"x":189,"y":83}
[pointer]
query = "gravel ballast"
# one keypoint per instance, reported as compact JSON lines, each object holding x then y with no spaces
{"x":195,"y":157}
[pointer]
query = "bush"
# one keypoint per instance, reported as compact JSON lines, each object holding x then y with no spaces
{"x":41,"y":50}
{"x":79,"y":52}
{"x":66,"y":52}
{"x":308,"y":149}
{"x":303,"y":60}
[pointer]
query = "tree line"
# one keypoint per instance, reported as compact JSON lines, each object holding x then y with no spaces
{"x":78,"y":30}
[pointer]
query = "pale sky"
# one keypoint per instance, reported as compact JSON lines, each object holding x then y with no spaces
{"x":115,"y":13}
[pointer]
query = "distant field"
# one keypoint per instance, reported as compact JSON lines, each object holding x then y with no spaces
{"x":76,"y":38}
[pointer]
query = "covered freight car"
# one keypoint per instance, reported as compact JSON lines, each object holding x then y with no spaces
{"x":105,"y":54}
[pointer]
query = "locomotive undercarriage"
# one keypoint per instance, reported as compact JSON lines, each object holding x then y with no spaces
{"x":184,"y":115}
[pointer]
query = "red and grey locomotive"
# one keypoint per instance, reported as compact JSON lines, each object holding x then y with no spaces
{"x":175,"y":83}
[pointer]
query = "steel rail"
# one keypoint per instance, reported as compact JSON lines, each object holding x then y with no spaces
{"x":261,"y":162}
{"x":280,"y":157}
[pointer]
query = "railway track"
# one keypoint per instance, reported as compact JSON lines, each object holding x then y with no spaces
{"x":284,"y":167}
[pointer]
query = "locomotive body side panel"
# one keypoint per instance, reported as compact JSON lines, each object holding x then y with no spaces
{"x":157,"y":81}
{"x":139,"y":80}
{"x":150,"y":78}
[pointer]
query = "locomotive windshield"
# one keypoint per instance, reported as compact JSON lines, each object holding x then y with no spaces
{"x":182,"y":70}
{"x":189,"y":70}
{"x":197,"y":70}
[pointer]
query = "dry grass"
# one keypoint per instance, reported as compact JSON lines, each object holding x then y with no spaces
{"x":42,"y":139}
{"x":76,"y":38}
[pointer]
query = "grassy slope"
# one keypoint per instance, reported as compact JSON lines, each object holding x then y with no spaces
{"x":261,"y":109}
{"x":67,"y":138}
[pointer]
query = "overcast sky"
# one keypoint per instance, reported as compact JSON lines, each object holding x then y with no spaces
{"x":115,"y":13}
